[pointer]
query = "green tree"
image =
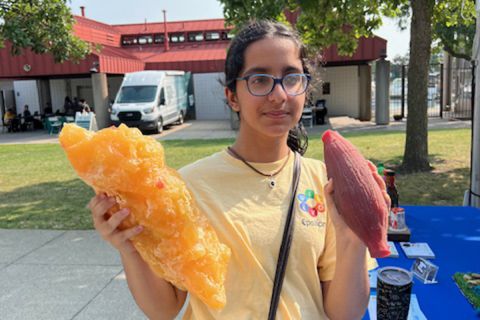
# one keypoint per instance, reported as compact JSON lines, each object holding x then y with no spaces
{"x":326,"y":22}
{"x":41,"y":25}
{"x":452,"y":35}
{"x":321,"y":22}
{"x":428,"y":17}
{"x":401,"y":60}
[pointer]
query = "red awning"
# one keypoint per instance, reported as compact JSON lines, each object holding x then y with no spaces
{"x":369,"y":49}
{"x":28,"y":64}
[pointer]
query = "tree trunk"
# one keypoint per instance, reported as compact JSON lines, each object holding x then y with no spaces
{"x":415,"y":157}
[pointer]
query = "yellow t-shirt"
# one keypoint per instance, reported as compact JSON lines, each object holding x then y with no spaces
{"x":249,"y":216}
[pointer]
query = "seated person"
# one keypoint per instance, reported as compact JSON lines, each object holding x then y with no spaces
{"x":27,"y":118}
{"x":37,"y":121}
{"x":77,"y":106}
{"x":48,"y":109}
{"x":68,"y":106}
{"x":26,"y":112}
{"x":9,"y":120}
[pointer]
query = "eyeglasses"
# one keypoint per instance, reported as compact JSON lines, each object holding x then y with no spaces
{"x":260,"y":85}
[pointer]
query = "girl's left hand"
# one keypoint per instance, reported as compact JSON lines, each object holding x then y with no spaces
{"x":340,"y":226}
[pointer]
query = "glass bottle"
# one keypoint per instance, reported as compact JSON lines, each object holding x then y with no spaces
{"x":391,"y":187}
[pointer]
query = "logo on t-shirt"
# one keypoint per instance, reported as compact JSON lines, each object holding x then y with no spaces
{"x":311,"y":203}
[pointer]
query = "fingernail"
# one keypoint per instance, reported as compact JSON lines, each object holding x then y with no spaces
{"x":139,"y":229}
{"x":125,"y":212}
{"x":102,"y":196}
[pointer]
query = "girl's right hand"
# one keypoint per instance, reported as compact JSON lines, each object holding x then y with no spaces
{"x":108,"y":227}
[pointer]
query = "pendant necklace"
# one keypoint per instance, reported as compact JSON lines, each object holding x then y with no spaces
{"x":270,"y":176}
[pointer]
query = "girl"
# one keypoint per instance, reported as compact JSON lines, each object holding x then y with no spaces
{"x":245,"y":193}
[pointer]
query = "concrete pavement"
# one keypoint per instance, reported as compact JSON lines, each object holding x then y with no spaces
{"x":188,"y":130}
{"x":61,"y":275}
{"x":75,"y":274}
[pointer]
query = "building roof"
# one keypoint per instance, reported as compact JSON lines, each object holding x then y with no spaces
{"x":204,"y":56}
{"x":118,"y":61}
{"x":200,"y":54}
{"x":209,"y":51}
{"x":172,"y":26}
{"x":96,"y":32}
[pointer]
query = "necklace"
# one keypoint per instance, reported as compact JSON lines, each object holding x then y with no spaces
{"x":270,"y":176}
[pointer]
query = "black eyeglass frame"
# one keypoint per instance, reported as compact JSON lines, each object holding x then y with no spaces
{"x":275,"y":82}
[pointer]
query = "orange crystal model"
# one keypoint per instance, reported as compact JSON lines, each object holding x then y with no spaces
{"x":177,"y":242}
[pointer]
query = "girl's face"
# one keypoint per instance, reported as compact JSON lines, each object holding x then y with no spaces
{"x":275,"y":114}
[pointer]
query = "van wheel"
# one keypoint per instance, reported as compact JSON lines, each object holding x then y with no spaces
{"x":180,"y":118}
{"x":159,"y":128}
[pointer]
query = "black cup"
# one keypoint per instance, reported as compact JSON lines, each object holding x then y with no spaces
{"x":394,"y":287}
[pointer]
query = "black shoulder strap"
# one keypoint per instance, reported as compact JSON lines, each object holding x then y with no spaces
{"x":286,"y":241}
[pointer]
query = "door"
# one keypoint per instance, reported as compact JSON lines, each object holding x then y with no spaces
{"x":26,"y":93}
{"x":171,"y":100}
{"x":210,"y":97}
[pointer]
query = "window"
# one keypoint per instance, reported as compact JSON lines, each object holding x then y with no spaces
{"x":145,"y":39}
{"x":195,"y":36}
{"x":128,"y":40}
{"x":133,"y":94}
{"x":326,"y":88}
{"x":159,"y":38}
{"x":177,"y":37}
{"x":212,"y":35}
{"x":162,"y":100}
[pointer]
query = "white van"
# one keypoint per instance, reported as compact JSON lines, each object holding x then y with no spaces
{"x":151,"y":100}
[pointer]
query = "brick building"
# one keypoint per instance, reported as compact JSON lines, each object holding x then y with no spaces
{"x":197,"y":46}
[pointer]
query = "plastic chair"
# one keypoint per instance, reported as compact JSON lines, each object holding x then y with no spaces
{"x":307,"y":117}
{"x":53,"y":125}
{"x":69,"y":119}
{"x":66,"y":119}
{"x":28,"y":124}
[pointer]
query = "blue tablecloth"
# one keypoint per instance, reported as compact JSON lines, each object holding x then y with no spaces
{"x":453,"y":234}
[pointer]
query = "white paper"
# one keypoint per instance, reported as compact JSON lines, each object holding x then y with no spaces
{"x":417,"y":250}
{"x":393,"y":250}
{"x":415,"y":313}
{"x":372,"y":275}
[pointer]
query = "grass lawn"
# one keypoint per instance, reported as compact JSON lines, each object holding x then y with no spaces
{"x":39,"y":189}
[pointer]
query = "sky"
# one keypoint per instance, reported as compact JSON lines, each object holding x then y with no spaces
{"x":124,"y":12}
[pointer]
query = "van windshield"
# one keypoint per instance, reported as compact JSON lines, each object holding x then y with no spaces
{"x":136,"y":94}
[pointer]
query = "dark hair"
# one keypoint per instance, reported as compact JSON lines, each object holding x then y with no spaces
{"x":234,"y":63}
